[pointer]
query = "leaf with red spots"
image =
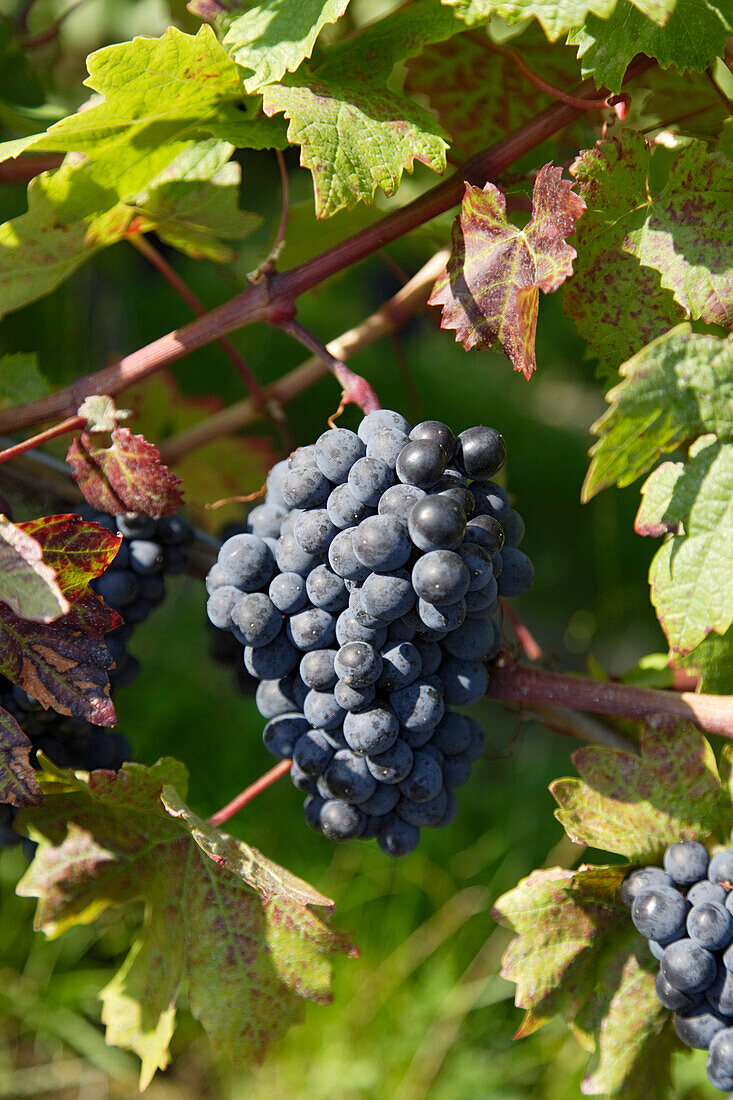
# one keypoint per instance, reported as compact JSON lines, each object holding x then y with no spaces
{"x":490,"y":289}
{"x":638,"y":805}
{"x":223,"y":921}
{"x":127,"y":476}
{"x":577,"y":954}
{"x":18,"y":783}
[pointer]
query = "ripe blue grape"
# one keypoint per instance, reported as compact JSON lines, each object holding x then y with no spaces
{"x":336,"y":451}
{"x":437,"y":523}
{"x":382,"y":543}
{"x":480,"y":451}
{"x":421,"y":462}
{"x":440,"y":577}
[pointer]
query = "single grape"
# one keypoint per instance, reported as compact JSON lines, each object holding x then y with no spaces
{"x":399,"y":499}
{"x":419,"y":706}
{"x":288,"y":592}
{"x":119,"y":589}
{"x":382,"y":420}
{"x":368,"y":478}
{"x":479,"y":564}
{"x":265,"y":520}
{"x":313,"y":628}
{"x":313,"y":531}
{"x":697,"y":1027}
{"x":688,"y":967}
{"x":720,"y":992}
{"x":255,"y":619}
{"x":358,"y":664}
{"x":391,"y":766}
{"x":336,"y":451}
{"x":220,"y":603}
{"x":464,"y":682}
{"x":642,"y":878}
{"x":316,"y":669}
{"x":312,"y":752}
{"x":275,"y":697}
{"x":474,"y":640}
{"x":437,"y":432}
{"x":706,"y":891}
{"x":344,"y":510}
{"x":371,"y":730}
{"x":671,"y":998}
{"x":487,"y":532}
{"x":305,"y":487}
{"x":452,"y":734}
{"x":383,"y":801}
{"x":425,"y":779}
{"x":424,"y":814}
{"x":301,"y":780}
{"x":514,"y":529}
{"x":341,"y":820}
{"x":353,"y":698}
{"x":246,"y":562}
{"x":456,"y":772}
{"x":401,"y":664}
{"x":397,"y":838}
{"x":291,"y":558}
{"x":349,"y":630}
{"x":322,"y":710}
{"x":387,"y":596}
{"x":145,"y":556}
{"x":480,"y":452}
{"x":710,"y":925}
{"x":281,"y":734}
{"x":659,"y":913}
{"x":721,"y":867}
{"x":517,"y":573}
{"x":436,"y":523}
{"x":326,"y":589}
{"x":347,"y":777}
{"x":386,"y":445}
{"x":271,"y":661}
{"x":381,"y":543}
{"x":302,"y":456}
{"x":440,"y":577}
{"x":720,"y":1059}
{"x":343,"y":560}
{"x":422,"y":463}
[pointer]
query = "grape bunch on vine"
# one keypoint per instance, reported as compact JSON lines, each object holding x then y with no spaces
{"x":416,"y":580}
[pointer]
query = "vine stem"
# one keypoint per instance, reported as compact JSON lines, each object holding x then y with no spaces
{"x":387,"y":319}
{"x":250,"y":792}
{"x":514,"y":683}
{"x":24,"y":169}
{"x":356,"y":388}
{"x":272,"y":300}
{"x":72,"y":424}
{"x":169,"y":273}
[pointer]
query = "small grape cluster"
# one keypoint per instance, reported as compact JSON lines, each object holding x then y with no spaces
{"x":363,"y":595}
{"x":134,"y":584}
{"x":686,"y":913}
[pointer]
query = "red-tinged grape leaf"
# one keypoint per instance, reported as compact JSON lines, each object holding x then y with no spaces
{"x":480,"y":96}
{"x":128,"y":476}
{"x":230,"y":466}
{"x":617,"y":304}
{"x":490,"y":289}
{"x":237,"y":931}
{"x":690,"y":575}
{"x":677,"y":387}
{"x":18,"y":782}
{"x":576,"y":954}
{"x":712,"y":662}
{"x":57,"y":665}
{"x":28,"y":584}
{"x":638,"y":805}
{"x":79,"y":551}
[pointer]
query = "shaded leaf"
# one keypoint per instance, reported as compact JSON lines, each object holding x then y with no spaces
{"x":229,"y":466}
{"x":712,"y":661}
{"x":21,"y":379}
{"x":617,"y":304}
{"x":271,"y":38}
{"x":58,"y":666}
{"x":680,"y":385}
{"x":555,"y":16}
{"x":18,"y":783}
{"x":690,"y":575}
{"x":490,"y":290}
{"x":480,"y":96}
{"x":577,"y":954}
{"x":128,"y":476}
{"x":28,"y":584}
{"x":248,"y":958}
{"x":638,"y":805}
{"x":691,"y":37}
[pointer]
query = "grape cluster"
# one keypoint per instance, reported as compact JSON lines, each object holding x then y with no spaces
{"x":363,"y":593}
{"x":686,"y":912}
{"x":134,"y":584}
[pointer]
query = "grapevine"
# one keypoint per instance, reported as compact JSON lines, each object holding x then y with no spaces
{"x":478,"y":222}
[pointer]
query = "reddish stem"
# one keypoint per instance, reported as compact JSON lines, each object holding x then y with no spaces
{"x":524,"y":635}
{"x":250,"y":792}
{"x":711,"y":713}
{"x":272,"y":300}
{"x":356,"y":388}
{"x":24,"y":169}
{"x":71,"y":425}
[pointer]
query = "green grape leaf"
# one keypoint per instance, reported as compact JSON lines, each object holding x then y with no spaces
{"x":677,"y":387}
{"x":222,"y":468}
{"x":490,"y":290}
{"x":577,"y":954}
{"x":555,"y":16}
{"x":691,"y":38}
{"x":639,"y":805}
{"x":480,"y":96}
{"x":28,"y":584}
{"x":688,"y":236}
{"x":356,"y":135}
{"x":193,"y":204}
{"x":18,"y":783}
{"x":127,"y":476}
{"x":272,"y":38}
{"x":690,"y":575}
{"x":21,"y":379}
{"x":617,"y":304}
{"x":221,"y":920}
{"x":712,"y":662}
